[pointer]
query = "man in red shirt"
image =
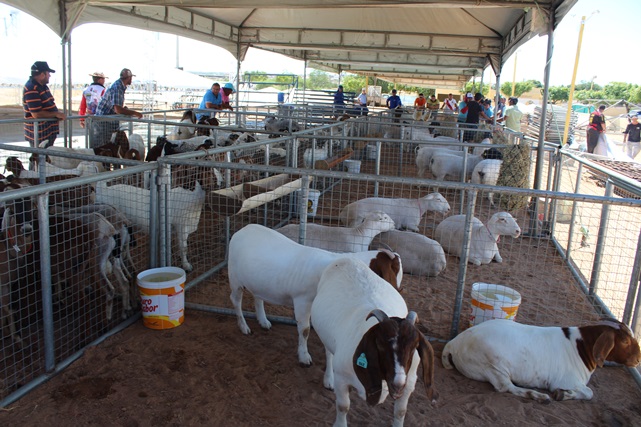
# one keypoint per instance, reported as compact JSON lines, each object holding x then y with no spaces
{"x":596,"y":128}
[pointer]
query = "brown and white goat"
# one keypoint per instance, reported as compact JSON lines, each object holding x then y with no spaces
{"x":559,"y":359}
{"x":280,"y":271}
{"x":17,"y":238}
{"x":371,"y":341}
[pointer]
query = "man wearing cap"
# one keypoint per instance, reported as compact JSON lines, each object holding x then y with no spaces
{"x":228,"y":89}
{"x":91,"y":96}
{"x":462,"y":107}
{"x":38,"y":103}
{"x":474,"y":114}
{"x":112,"y":103}
{"x":596,"y":128}
{"x":394,"y":103}
{"x":212,"y":100}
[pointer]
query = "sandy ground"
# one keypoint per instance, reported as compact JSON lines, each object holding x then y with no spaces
{"x":206,"y":372}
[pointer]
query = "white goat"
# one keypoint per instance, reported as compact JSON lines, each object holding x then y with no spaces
{"x":406,"y":213}
{"x":84,"y":168}
{"x":342,"y":239}
{"x":487,"y":172}
{"x":446,"y":165}
{"x":421,"y":255}
{"x":185,"y":208}
{"x":559,"y":359}
{"x":377,"y":356}
{"x":186,"y":129}
{"x":137,"y":143}
{"x":478,"y":151}
{"x":280,"y":271}
{"x":65,"y":162}
{"x":315,"y":154}
{"x":483,"y":249}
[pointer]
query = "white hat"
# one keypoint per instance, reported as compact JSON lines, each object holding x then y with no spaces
{"x":469,"y":95}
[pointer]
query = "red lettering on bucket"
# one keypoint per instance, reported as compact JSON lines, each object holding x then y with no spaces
{"x":148,"y":305}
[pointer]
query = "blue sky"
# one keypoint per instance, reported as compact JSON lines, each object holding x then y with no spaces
{"x":609,"y":49}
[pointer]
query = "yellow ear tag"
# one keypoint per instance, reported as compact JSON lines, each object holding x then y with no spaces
{"x":362,"y":361}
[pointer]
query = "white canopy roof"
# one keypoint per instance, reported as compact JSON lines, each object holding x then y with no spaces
{"x":440,"y":43}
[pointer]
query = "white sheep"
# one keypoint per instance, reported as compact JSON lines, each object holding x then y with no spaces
{"x":446,"y":165}
{"x":342,"y":239}
{"x":560,"y":359}
{"x":371,"y":341}
{"x":277,"y":270}
{"x":15,"y":166}
{"x":185,"y":208}
{"x":65,"y":162}
{"x":483,"y":249}
{"x":478,"y":151}
{"x":421,"y":255}
{"x":406,"y":213}
{"x":424,"y":157}
{"x":487,"y":172}
{"x":314,"y":155}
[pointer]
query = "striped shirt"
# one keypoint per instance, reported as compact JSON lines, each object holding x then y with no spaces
{"x":115,"y":95}
{"x":37,"y":98}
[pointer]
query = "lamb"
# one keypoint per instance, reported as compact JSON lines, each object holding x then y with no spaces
{"x":375,"y":357}
{"x":478,"y":151}
{"x":424,"y":157}
{"x":342,"y":239}
{"x":421,"y":255}
{"x":406,"y":213}
{"x":185,"y":208}
{"x":559,"y":359}
{"x":277,"y":270}
{"x":447,"y":165}
{"x":487,"y":173}
{"x":483,"y":249}
{"x":312,"y":155}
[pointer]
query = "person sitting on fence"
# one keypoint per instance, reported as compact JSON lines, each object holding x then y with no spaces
{"x":394,"y":104}
{"x":91,"y":96}
{"x":228,"y":89}
{"x":112,"y":103}
{"x":38,"y":103}
{"x":212,"y":100}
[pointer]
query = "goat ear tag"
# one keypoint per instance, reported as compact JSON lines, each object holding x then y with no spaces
{"x":362,"y":361}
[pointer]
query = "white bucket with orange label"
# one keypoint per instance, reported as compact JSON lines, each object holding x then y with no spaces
{"x":162,"y":297}
{"x":493,"y":302}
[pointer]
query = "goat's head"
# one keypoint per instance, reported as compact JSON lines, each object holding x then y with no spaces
{"x":610,"y":340}
{"x":388,"y":266}
{"x":188,"y":116}
{"x":493,"y":153}
{"x":14,"y":165}
{"x":386,"y":352}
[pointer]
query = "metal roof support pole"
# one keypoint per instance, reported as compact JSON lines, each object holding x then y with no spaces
{"x":481,"y":82}
{"x":69,"y":88}
{"x":65,"y":101}
{"x":305,"y":77}
{"x":540,"y":156}
{"x":497,"y":98}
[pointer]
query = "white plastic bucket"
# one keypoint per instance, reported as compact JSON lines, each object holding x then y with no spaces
{"x":312,"y":201}
{"x":353,"y":166}
{"x":162,"y":297}
{"x":371,"y":152}
{"x":493,"y":302}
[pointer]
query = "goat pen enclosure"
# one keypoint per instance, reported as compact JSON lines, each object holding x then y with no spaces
{"x":594,"y":277}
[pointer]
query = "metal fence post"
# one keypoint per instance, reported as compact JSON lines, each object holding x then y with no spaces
{"x":577,"y":187}
{"x":600,"y":244}
{"x":45,"y":282}
{"x":164,"y":185}
{"x":634,"y":284}
{"x":465,"y":253}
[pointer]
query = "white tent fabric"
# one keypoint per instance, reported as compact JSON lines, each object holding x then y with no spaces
{"x":440,"y":43}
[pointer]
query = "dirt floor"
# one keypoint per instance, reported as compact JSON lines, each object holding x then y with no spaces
{"x":205,"y":372}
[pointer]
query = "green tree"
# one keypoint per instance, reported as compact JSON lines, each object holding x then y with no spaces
{"x":557,"y":93}
{"x":635,"y":95}
{"x":318,"y":80}
{"x":617,"y":90}
{"x":353,"y":83}
{"x":519,"y":88}
{"x":474,"y":88}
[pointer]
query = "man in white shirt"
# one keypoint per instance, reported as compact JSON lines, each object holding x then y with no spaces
{"x":512,"y":115}
{"x":450,"y":104}
{"x":361,"y":100}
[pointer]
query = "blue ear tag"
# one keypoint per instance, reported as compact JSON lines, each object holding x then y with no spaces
{"x":362,"y":361}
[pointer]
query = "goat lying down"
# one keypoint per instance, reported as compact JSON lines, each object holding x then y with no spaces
{"x":377,"y":356}
{"x":559,"y":359}
{"x":280,"y":271}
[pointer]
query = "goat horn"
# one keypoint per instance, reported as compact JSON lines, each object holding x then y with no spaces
{"x":412,"y":317}
{"x":379,"y":314}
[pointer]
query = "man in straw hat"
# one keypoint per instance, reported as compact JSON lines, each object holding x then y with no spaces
{"x":112,"y":103}
{"x":91,"y":96}
{"x":38,"y":103}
